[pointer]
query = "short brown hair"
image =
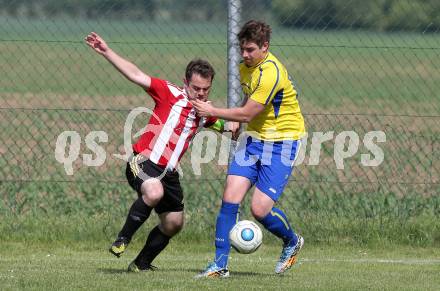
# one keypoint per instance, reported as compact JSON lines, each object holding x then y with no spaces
{"x":255,"y":31}
{"x":201,"y":67}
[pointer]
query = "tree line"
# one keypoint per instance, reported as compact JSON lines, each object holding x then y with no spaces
{"x":377,"y":15}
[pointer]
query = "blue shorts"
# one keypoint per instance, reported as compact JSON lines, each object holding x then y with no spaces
{"x":266,"y":164}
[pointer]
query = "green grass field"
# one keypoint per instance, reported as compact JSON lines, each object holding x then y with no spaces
{"x":28,"y":266}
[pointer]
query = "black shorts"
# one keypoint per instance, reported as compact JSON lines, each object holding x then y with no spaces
{"x":172,"y":200}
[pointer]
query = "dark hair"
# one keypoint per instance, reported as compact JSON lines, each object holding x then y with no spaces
{"x":201,"y":67}
{"x":255,"y":31}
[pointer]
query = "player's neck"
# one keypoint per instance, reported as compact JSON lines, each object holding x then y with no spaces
{"x":262,"y":59}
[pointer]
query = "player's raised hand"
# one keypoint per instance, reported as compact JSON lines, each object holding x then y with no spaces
{"x":94,"y":41}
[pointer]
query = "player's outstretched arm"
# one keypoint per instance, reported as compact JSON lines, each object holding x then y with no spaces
{"x":128,"y":69}
{"x":240,"y":114}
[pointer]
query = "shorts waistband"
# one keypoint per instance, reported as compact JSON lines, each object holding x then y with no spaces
{"x":171,"y":171}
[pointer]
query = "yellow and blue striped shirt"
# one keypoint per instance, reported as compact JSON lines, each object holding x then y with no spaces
{"x":268,"y":83}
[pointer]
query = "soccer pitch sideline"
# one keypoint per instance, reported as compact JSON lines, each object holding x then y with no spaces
{"x":80,"y":266}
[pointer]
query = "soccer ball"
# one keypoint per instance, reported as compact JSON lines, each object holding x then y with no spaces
{"x":246,"y":237}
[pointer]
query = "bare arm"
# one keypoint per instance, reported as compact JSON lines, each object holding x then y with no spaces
{"x":241,"y":114}
{"x":128,"y":69}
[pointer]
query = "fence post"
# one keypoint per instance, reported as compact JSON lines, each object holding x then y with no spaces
{"x":234,"y":89}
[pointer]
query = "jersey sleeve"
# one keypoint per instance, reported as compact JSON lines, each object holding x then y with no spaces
{"x":158,"y":90}
{"x":267,"y":83}
{"x":210,"y":121}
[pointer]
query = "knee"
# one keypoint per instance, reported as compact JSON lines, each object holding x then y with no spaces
{"x":152,"y":192}
{"x":258,"y":212}
{"x":177,"y":225}
{"x":151,"y":199}
{"x":171,"y":228}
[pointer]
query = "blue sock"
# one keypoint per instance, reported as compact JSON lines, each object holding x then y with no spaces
{"x":276,"y":222}
{"x":226,"y":219}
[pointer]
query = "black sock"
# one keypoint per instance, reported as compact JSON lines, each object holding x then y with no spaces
{"x":156,"y":242}
{"x":139,"y":212}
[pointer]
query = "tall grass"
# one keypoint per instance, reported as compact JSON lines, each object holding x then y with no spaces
{"x":49,"y":213}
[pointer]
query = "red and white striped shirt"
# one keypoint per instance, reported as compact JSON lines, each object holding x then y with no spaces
{"x":172,"y":127}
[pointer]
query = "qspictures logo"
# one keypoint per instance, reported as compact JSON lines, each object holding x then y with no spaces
{"x":209,"y":147}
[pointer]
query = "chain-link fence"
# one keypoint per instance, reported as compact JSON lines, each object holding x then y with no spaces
{"x":367,"y":72}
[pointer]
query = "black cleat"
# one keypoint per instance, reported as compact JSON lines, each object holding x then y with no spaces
{"x":133,"y":268}
{"x":119,"y":246}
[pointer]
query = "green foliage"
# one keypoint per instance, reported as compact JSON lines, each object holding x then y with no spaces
{"x":379,"y":15}
{"x":421,"y":15}
{"x":389,"y":15}
{"x":54,"y":213}
{"x":122,"y":9}
{"x":89,"y":8}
